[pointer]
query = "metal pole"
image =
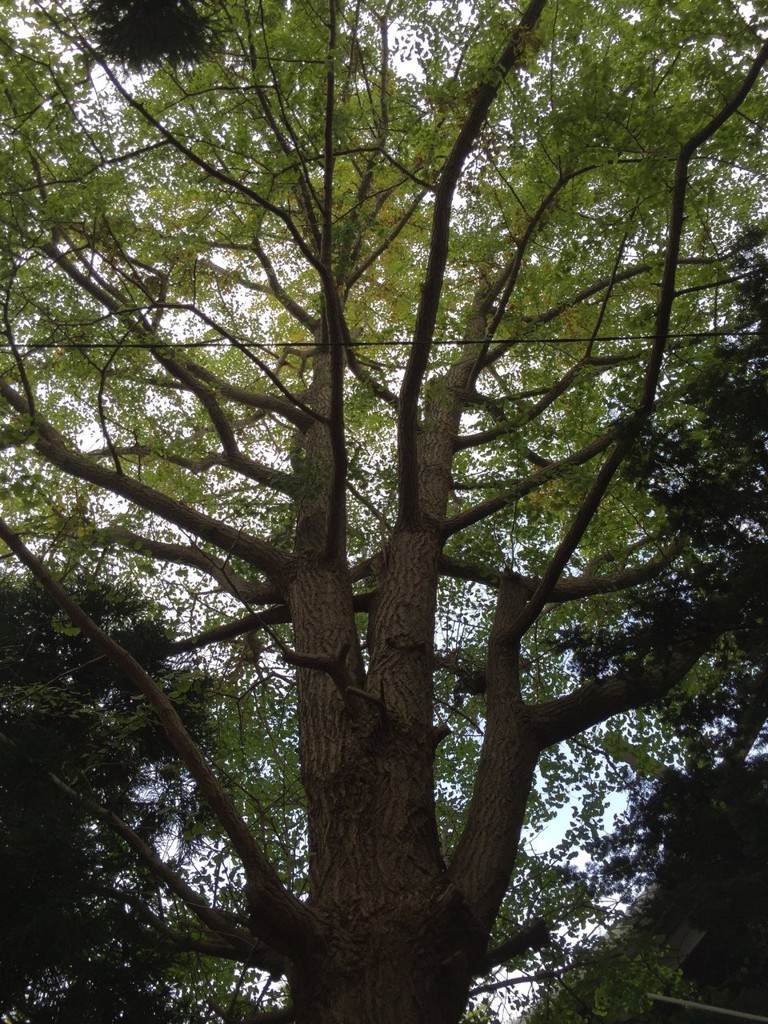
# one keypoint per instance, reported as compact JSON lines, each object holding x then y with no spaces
{"x":704,"y":1006}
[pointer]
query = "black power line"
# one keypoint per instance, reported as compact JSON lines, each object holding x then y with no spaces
{"x":394,"y":343}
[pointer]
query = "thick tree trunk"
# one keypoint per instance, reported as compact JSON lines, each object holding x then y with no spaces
{"x":367,"y":760}
{"x":394,"y":991}
{"x":405,"y":965}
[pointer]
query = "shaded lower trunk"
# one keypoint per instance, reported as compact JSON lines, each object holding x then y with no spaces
{"x":396,"y":967}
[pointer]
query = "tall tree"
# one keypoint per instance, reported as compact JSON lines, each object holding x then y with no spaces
{"x":349,"y":340}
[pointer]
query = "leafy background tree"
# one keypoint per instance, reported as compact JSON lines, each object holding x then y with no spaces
{"x":687,"y":854}
{"x":383,"y":345}
{"x":687,"y":860}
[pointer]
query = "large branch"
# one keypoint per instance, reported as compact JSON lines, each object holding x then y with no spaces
{"x":582,"y":296}
{"x":553,"y":312}
{"x":533,"y":936}
{"x":749,"y":717}
{"x":426,"y":316}
{"x":247,"y":591}
{"x":578,"y":526}
{"x":256,"y":400}
{"x":272,"y":288}
{"x":232,"y":630}
{"x":234,"y":458}
{"x":187,"y":943}
{"x":280,"y":1015}
{"x":519,"y":488}
{"x":546,"y":397}
{"x":495,"y":299}
{"x":298,"y":312}
{"x":242,"y":345}
{"x":594,"y":702}
{"x":577,"y":587}
{"x":676,"y":222}
{"x":278,"y":613}
{"x":249,"y":468}
{"x":134,"y":316}
{"x":589,"y":507}
{"x":485,"y":855}
{"x":363,"y":374}
{"x":574,"y":588}
{"x":487,"y":848}
{"x":654,"y":673}
{"x":52,"y":446}
{"x":335,"y":329}
{"x":277,"y":916}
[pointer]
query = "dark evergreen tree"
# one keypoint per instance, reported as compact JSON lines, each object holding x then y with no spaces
{"x":694,"y":839}
{"x":72,"y":945}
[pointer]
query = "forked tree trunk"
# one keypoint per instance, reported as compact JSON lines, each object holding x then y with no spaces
{"x":397,"y":940}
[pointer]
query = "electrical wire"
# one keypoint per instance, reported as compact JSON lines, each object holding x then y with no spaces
{"x":398,"y":343}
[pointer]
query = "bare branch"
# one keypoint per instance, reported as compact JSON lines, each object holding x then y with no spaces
{"x":645,"y":680}
{"x":675,"y":225}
